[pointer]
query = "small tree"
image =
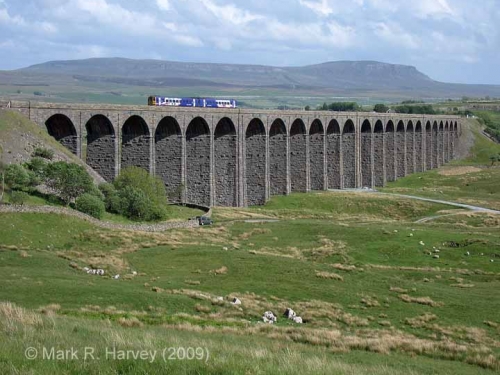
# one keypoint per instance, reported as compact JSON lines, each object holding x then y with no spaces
{"x":69,"y":180}
{"x":140,"y":179}
{"x":381,"y":108}
{"x":494,"y":159}
{"x":91,"y":205}
{"x":16,"y":177}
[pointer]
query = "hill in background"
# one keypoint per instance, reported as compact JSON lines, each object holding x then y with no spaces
{"x":126,"y":78}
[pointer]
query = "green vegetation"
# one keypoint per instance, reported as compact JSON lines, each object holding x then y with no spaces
{"x":19,"y":197}
{"x":91,"y":205}
{"x":44,"y":153}
{"x":68,"y":180}
{"x":385,"y":284}
{"x":137,"y":195}
{"x":491,"y":120}
{"x":340,"y":107}
{"x":381,"y":108}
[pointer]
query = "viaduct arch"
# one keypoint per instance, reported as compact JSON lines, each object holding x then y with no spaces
{"x":226,"y":157}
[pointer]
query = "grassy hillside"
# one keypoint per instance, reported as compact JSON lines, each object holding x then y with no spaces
{"x":19,"y":137}
{"x":365,"y":288}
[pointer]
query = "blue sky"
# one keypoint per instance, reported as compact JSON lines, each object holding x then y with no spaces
{"x":450,"y":40}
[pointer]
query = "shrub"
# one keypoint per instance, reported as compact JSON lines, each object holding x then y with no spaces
{"x":137,"y":195}
{"x":16,"y":177}
{"x":91,"y":205}
{"x":69,"y":180}
{"x":134,"y":204}
{"x":19,"y":197}
{"x":38,"y":166}
{"x":43,"y":152}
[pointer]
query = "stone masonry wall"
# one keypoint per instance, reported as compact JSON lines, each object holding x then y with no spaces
{"x":198,"y":169}
{"x":298,"y":159}
{"x":410,"y":152}
{"x":366,"y":159}
{"x":378,"y":158}
{"x":349,"y":157}
{"x":419,"y":151}
{"x":428,"y":152}
{"x":435,"y":148}
{"x":101,"y":147}
{"x":168,"y":159}
{"x":255,"y":160}
{"x":333,"y":160}
{"x":400,"y":154}
{"x":136,"y":151}
{"x":225,"y":170}
{"x":389,"y":156}
{"x":277,"y":164}
{"x":316,"y":160}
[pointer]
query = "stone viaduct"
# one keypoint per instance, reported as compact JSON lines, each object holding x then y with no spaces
{"x":241,"y":157}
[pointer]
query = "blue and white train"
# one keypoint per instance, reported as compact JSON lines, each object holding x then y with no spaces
{"x":191,"y":102}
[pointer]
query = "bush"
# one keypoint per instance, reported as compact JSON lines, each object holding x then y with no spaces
{"x":16,"y":177}
{"x":91,"y":205}
{"x":137,"y":195}
{"x":19,"y":197}
{"x":134,"y":204}
{"x":69,"y":180}
{"x":45,"y":153}
{"x":38,"y":166}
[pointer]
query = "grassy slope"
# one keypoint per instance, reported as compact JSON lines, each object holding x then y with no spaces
{"x":272,"y":259}
{"x":478,"y":187}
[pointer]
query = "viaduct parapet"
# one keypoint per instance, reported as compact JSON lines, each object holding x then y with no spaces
{"x":241,"y":157}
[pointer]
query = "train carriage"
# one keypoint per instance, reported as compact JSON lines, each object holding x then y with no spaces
{"x":191,"y":102}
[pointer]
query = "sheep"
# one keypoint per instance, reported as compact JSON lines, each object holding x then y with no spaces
{"x":289,"y":313}
{"x":236,"y":301}
{"x":269,"y":318}
{"x":297,"y":320}
{"x":116,"y":277}
{"x":436,"y":256}
{"x":422,"y":243}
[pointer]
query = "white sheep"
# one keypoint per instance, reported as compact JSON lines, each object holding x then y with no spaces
{"x":269,"y":317}
{"x":116,"y":277}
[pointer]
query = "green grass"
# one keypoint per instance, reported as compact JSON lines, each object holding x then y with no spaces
{"x":278,"y":259}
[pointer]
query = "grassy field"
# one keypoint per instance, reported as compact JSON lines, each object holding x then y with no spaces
{"x":378,"y":293}
{"x":362,"y":282}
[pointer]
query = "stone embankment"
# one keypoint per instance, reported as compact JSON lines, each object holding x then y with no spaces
{"x":153,"y":227}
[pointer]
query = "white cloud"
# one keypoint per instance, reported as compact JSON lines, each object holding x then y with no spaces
{"x":163,"y":4}
{"x":321,"y":7}
{"x":395,"y":35}
{"x":230,"y":13}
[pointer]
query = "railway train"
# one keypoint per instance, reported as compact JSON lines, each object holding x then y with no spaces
{"x":191,"y":102}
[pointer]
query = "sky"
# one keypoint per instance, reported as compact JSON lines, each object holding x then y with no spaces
{"x":449,"y":40}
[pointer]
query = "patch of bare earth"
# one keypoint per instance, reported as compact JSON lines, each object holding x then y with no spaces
{"x":458,"y":171}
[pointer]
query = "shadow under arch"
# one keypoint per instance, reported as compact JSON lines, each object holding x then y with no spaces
{"x":62,"y":129}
